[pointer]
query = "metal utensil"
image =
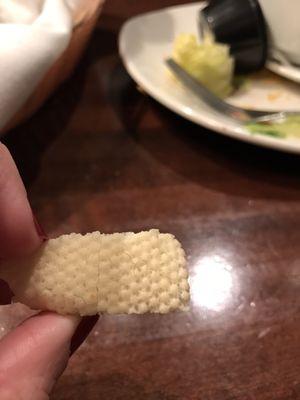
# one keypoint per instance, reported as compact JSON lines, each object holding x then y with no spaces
{"x":236,"y":113}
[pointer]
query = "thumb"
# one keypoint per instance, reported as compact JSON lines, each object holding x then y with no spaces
{"x":34,"y":355}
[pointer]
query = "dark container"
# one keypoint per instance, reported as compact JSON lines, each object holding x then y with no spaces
{"x":241,"y":25}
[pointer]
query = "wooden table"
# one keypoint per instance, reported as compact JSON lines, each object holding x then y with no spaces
{"x":102,"y":155}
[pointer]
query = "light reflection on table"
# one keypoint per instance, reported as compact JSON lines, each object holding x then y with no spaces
{"x":212,"y":283}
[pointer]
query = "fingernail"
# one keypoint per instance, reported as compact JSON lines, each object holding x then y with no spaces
{"x":42,"y":234}
{"x":84,"y":329}
{"x":5,"y":293}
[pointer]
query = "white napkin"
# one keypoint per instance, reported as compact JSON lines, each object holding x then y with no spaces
{"x":33,"y":34}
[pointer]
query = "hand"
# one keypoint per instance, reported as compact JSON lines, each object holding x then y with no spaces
{"x":34,"y":355}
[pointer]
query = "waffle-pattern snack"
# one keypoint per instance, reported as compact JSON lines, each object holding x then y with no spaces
{"x":121,"y":273}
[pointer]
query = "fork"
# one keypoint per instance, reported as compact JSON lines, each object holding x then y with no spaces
{"x":236,"y":113}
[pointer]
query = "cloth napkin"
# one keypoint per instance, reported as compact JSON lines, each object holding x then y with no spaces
{"x":33,"y":35}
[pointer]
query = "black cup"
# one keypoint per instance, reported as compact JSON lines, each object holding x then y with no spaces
{"x":241,"y":25}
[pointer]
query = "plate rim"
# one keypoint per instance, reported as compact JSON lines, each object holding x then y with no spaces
{"x":284,"y":71}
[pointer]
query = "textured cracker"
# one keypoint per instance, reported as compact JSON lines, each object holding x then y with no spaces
{"x":95,"y":273}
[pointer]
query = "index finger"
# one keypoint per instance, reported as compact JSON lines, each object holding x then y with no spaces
{"x":18,"y":234}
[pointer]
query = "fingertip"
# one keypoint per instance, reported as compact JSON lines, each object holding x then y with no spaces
{"x":41,"y":342}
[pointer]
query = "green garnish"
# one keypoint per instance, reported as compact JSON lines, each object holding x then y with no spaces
{"x":288,"y":128}
{"x":260,"y":129}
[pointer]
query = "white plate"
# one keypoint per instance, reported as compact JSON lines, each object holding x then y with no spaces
{"x":146,"y":41}
{"x":286,"y":71}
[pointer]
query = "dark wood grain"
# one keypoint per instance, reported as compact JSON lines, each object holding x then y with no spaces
{"x":101,"y":155}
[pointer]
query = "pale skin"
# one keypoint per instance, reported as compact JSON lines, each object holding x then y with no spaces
{"x":35,"y":354}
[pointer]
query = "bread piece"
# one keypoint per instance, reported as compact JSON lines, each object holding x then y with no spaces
{"x":60,"y":276}
{"x":121,"y":273}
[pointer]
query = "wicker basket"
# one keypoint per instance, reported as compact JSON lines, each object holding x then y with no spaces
{"x":85,"y":21}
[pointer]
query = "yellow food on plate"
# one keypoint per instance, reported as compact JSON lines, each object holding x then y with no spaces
{"x":121,"y":273}
{"x":208,"y":61}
